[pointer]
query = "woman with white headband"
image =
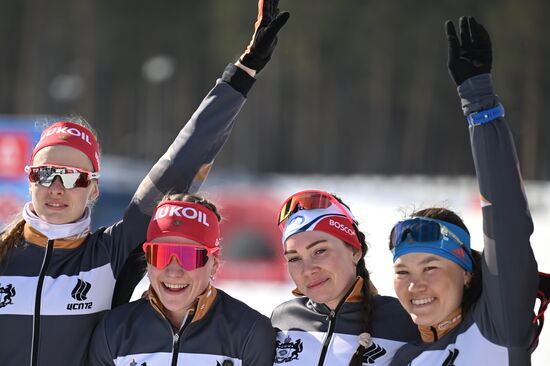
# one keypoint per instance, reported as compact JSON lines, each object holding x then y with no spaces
{"x":471,"y":308}
{"x":337,"y":317}
{"x":56,"y":276}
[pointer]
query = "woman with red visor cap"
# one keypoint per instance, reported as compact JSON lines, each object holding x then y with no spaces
{"x":338,"y":318}
{"x":57,"y":277}
{"x":472,"y":308}
{"x":184,"y":320}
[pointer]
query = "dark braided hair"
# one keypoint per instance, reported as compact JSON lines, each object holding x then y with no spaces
{"x":366,"y":291}
{"x":368,"y":302}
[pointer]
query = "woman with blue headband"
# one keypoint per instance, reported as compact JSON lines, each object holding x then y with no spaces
{"x":471,"y":308}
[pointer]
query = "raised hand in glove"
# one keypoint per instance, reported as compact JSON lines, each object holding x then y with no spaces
{"x":269,"y":22}
{"x":470,"y":56}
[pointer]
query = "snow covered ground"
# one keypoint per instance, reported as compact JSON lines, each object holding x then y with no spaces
{"x":377,"y":203}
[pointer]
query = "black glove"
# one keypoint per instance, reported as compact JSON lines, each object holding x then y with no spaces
{"x":472,"y":55}
{"x":269,"y":22}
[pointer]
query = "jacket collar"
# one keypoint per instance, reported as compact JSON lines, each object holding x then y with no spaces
{"x":354,"y":295}
{"x":199,"y":309}
{"x":431,"y":334}
{"x":34,"y":236}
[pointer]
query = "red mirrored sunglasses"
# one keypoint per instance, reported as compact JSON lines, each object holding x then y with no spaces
{"x":188,"y":256}
{"x":310,"y":200}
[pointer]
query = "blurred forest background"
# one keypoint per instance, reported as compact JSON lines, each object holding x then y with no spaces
{"x":354,"y":86}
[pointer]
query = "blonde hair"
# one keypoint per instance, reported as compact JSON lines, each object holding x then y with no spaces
{"x":11,"y":236}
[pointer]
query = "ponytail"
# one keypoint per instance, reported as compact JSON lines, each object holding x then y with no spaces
{"x":11,"y":236}
{"x":366,"y":291}
{"x":368,"y":301}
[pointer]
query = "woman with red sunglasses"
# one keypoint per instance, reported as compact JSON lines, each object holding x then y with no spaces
{"x":337,"y":317}
{"x":56,"y":277}
{"x":471,"y":308}
{"x":183,"y":319}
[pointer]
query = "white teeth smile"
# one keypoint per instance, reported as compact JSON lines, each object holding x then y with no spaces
{"x":55,"y":204}
{"x":174,"y":286}
{"x":423,"y":301}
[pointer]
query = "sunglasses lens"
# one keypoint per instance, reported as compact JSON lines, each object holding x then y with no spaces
{"x":71,"y":178}
{"x":427,"y":231}
{"x":82,"y":180}
{"x":417,"y":230}
{"x":189,"y":257}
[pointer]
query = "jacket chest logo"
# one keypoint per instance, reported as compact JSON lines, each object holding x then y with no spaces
{"x":80,"y":293}
{"x":6,"y":295}
{"x":373,"y":353}
{"x":287,"y":350}
{"x":134,"y":363}
{"x":451,"y":358}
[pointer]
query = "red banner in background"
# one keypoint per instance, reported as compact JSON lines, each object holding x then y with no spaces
{"x":15,"y":150}
{"x":17,"y":137}
{"x":10,"y":205}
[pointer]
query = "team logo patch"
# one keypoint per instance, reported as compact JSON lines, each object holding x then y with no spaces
{"x":287,"y":351}
{"x":297,"y":220}
{"x":451,"y":358}
{"x":134,"y":363}
{"x":373,"y":353}
{"x":6,"y":295}
{"x":459,"y":252}
{"x":81,"y":289}
{"x":80,"y":293}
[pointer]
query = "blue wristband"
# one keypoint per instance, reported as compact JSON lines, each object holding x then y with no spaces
{"x":488,"y":115}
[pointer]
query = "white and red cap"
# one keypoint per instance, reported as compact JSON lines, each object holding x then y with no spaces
{"x":330,"y":220}
{"x":72,"y":135}
{"x":185,"y":219}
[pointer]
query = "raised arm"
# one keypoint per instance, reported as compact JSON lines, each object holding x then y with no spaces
{"x":186,"y":163}
{"x":509,"y":267}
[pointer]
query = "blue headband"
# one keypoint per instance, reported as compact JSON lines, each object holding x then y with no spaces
{"x":452,"y":242}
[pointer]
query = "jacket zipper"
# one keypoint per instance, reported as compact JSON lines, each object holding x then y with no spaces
{"x":436,"y":338}
{"x":175,"y":349}
{"x":331,"y":326}
{"x":328,"y":337}
{"x":176,"y":338}
{"x":37,"y":302}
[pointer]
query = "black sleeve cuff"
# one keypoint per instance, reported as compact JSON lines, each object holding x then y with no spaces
{"x":477,"y":94}
{"x":238,"y":79}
